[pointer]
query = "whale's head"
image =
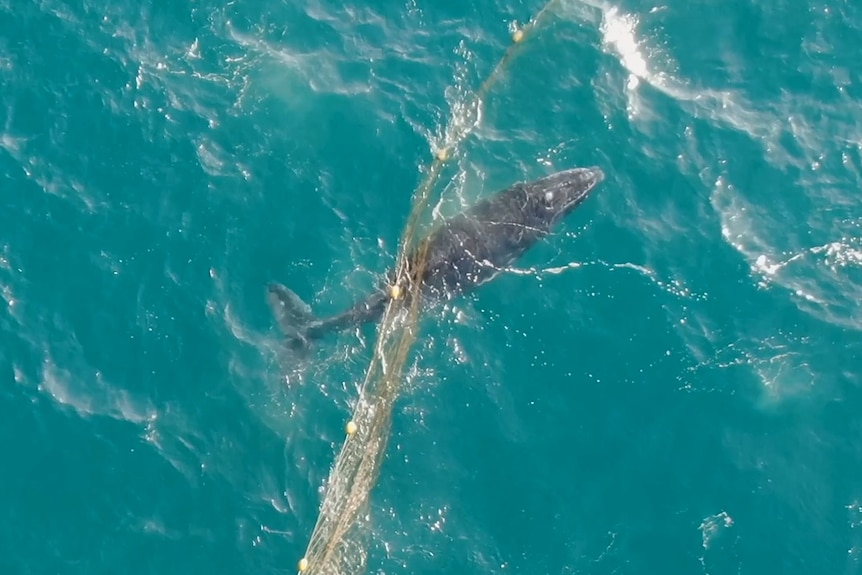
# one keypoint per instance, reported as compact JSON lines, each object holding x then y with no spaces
{"x":553,"y":197}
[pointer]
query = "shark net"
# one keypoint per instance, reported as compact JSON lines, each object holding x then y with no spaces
{"x":336,"y":543}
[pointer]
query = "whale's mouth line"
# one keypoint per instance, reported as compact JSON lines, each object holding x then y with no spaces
{"x":588,"y":185}
{"x":575,"y":201}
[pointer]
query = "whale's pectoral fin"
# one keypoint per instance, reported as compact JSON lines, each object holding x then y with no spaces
{"x":294,"y":316}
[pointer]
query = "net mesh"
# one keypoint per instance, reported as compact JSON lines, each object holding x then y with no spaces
{"x":336,"y":544}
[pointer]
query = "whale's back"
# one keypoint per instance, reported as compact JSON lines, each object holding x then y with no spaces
{"x":471,"y":248}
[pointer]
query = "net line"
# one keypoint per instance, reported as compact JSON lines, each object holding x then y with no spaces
{"x":331,"y":549}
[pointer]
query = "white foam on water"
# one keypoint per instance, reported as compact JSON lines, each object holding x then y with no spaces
{"x":779,"y":362}
{"x":854,"y":520}
{"x":647,"y":61}
{"x":88,"y":394}
{"x":711,"y":528}
{"x":823,"y":280}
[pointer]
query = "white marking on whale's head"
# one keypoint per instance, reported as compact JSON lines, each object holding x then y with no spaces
{"x":551,"y":198}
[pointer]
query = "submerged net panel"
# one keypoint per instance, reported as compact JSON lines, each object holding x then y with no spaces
{"x":336,"y":545}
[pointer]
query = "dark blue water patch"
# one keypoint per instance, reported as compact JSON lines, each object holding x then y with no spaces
{"x":496,"y":491}
{"x":66,"y":491}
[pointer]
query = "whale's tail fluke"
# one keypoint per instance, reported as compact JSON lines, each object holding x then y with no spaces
{"x":301,"y":327}
{"x":294,"y":316}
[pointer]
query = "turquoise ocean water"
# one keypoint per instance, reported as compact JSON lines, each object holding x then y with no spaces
{"x":670,"y":384}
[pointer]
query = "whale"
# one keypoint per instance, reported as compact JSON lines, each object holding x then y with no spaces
{"x":460,"y":254}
